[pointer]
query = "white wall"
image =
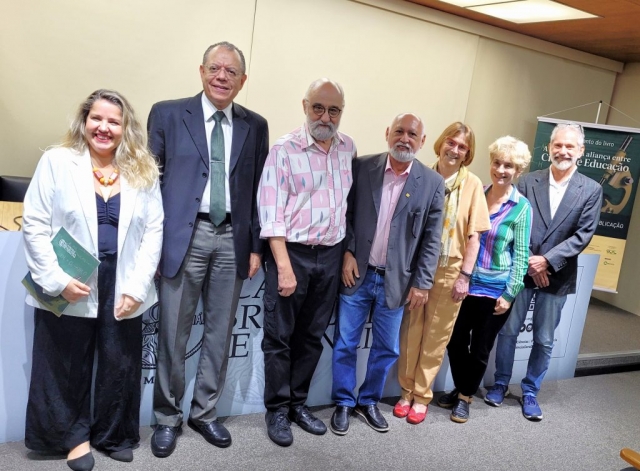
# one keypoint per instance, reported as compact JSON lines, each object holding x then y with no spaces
{"x":626,"y":99}
{"x":391,"y":56}
{"x":54,"y":54}
{"x":512,"y":86}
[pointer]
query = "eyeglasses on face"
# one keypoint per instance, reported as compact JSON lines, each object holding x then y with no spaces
{"x":320,"y":110}
{"x":453,"y":144}
{"x":215,"y":69}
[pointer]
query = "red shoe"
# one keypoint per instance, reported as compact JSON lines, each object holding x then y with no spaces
{"x":416,"y":417}
{"x":401,"y":411}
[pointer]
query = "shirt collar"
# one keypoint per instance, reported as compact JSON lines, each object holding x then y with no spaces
{"x":388,"y":167}
{"x":208,"y":109}
{"x":514,"y":196}
{"x":307,"y":140}
{"x":555,"y":184}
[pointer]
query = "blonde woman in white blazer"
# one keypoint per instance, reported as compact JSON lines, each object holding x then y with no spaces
{"x":101,"y":185}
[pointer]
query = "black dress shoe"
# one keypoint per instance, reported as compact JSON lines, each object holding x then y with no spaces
{"x":306,"y":420}
{"x":340,"y":420}
{"x":279,"y":428}
{"x":213,"y":432}
{"x":83,"y":463}
{"x":164,"y":439}
{"x":373,"y":417}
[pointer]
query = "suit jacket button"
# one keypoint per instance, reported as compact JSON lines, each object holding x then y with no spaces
{"x":204,"y":175}
{"x":197,"y":200}
{"x":190,"y":224}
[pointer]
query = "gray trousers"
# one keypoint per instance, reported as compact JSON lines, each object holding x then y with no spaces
{"x":209,"y":268}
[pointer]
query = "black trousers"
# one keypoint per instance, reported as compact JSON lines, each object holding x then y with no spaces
{"x":471,"y":342}
{"x":59,"y":405}
{"x":294,"y":325}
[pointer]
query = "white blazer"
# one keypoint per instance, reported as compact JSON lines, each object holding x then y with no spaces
{"x":61,"y":194}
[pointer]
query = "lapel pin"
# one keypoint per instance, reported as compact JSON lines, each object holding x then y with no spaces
{"x":407,"y":195}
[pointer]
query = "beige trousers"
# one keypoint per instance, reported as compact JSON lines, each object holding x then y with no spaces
{"x":424,"y":335}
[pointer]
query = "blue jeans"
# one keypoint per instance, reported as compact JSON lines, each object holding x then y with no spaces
{"x":546,"y":317}
{"x":385,"y":346}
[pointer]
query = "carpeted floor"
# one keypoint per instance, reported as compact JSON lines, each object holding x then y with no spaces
{"x":587,"y":421}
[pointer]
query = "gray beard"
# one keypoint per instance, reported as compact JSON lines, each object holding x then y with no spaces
{"x":321,"y":131}
{"x":402,"y":156}
{"x":563,"y":165}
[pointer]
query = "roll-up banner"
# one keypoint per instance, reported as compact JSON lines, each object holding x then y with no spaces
{"x":612,"y":158}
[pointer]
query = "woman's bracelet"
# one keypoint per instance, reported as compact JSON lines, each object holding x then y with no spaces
{"x":465,"y":273}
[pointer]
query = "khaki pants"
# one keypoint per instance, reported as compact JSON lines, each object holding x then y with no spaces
{"x":424,"y":336}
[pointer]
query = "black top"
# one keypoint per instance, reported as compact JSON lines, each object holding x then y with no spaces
{"x":108,"y":216}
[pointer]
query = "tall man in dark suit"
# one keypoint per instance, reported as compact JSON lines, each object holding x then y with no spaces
{"x":212,"y":152}
{"x":394,"y":223}
{"x":566,"y":210}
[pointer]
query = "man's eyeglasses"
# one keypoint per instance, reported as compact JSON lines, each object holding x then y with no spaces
{"x":214,"y":70}
{"x":320,"y":110}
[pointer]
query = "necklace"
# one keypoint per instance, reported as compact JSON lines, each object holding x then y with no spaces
{"x":106,"y":183}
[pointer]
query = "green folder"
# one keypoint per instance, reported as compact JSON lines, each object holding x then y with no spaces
{"x":74,"y":260}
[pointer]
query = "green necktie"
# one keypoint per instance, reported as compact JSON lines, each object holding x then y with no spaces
{"x":217,"y":200}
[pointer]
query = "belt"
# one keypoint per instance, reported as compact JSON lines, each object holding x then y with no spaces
{"x":206,"y":217}
{"x":377,"y":270}
{"x":307,"y":247}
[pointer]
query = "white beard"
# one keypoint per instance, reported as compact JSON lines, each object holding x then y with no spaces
{"x":563,"y":164}
{"x":402,"y":156}
{"x":321,"y":131}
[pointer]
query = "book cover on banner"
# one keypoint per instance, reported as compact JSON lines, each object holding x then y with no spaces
{"x":74,"y":260}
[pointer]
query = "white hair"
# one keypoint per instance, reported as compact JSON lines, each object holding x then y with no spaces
{"x":569,"y":125}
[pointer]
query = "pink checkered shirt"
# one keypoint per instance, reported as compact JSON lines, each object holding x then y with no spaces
{"x":303,"y":191}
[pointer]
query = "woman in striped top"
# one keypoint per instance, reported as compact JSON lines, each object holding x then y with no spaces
{"x":497,"y":276}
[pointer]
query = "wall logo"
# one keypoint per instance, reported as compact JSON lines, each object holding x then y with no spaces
{"x":150,"y":321}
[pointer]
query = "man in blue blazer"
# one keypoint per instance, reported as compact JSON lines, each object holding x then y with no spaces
{"x":394,"y":223}
{"x":566,"y":210}
{"x":212,"y":152}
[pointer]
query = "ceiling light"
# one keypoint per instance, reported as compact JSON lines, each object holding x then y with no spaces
{"x":523,"y":11}
{"x":530,"y":11}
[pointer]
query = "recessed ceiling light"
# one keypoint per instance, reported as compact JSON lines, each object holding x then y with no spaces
{"x":523,"y":11}
{"x":531,"y":11}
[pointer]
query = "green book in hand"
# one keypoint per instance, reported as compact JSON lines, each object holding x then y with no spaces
{"x":74,"y":260}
